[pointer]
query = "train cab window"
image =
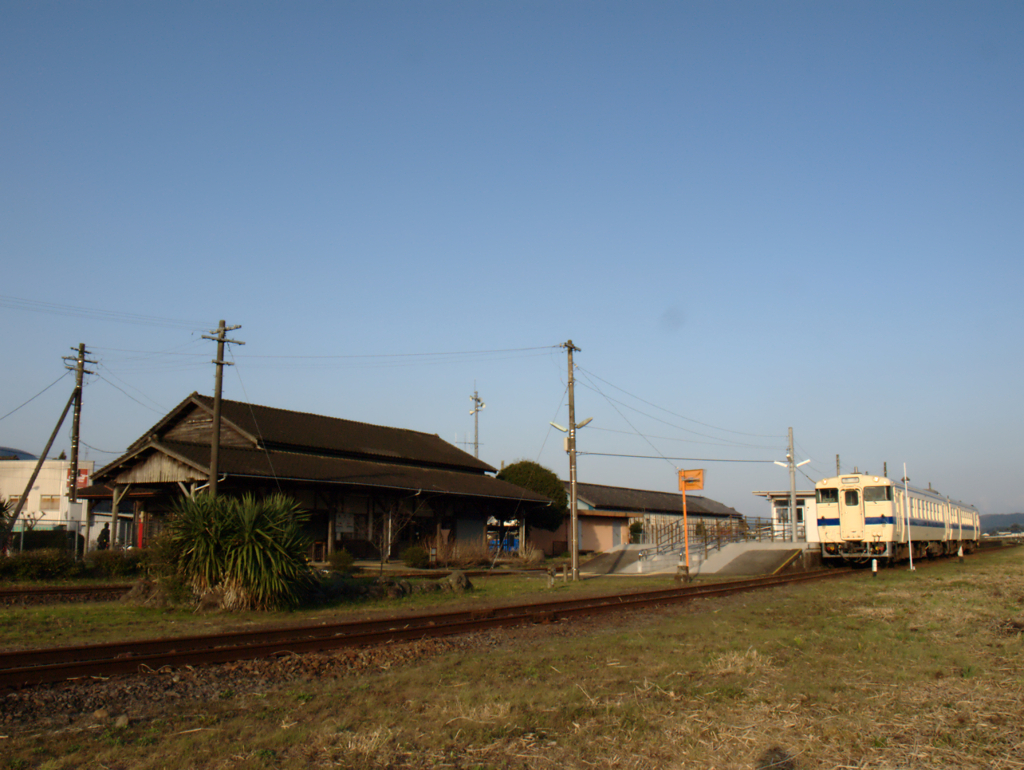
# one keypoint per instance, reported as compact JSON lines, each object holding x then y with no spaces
{"x":877,"y":494}
{"x":852,"y":497}
{"x":828,"y":495}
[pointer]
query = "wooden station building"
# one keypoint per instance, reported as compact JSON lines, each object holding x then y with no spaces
{"x":349,"y":475}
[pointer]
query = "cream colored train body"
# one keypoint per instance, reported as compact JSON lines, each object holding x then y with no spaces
{"x":862,"y":517}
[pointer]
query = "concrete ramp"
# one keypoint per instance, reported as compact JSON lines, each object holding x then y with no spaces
{"x":759,"y":562}
{"x":611,"y":562}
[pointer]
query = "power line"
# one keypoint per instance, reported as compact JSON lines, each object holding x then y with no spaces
{"x":407,"y":355}
{"x":645,"y":438}
{"x":684,"y":440}
{"x":662,"y":457}
{"x":101,"y":451}
{"x":675,"y":414}
{"x":51,"y":308}
{"x":680,"y":427}
{"x":126,"y":384}
{"x":116,"y":387}
{"x":37,"y":395}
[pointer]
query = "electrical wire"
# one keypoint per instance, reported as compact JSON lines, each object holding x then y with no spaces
{"x":675,"y":414}
{"x":117,"y":387}
{"x":255,"y":422}
{"x":679,"y":427}
{"x":672,"y":438}
{"x":645,"y":438}
{"x":404,"y":355}
{"x":101,"y":451}
{"x":107,"y":369}
{"x":662,"y":457}
{"x":37,"y":395}
{"x":51,"y":308}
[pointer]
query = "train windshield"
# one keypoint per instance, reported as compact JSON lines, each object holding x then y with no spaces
{"x":877,"y":494}
{"x":852,"y":497}
{"x":828,"y":495}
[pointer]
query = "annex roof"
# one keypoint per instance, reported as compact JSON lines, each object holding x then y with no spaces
{"x":634,"y":501}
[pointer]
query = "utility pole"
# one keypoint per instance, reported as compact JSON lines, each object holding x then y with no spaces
{"x":76,"y":417}
{"x":792,"y":486}
{"x":478,"y":404}
{"x":838,"y":473}
{"x":218,"y":384}
{"x":574,"y":536}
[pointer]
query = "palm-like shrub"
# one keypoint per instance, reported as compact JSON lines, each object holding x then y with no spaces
{"x":252,"y":548}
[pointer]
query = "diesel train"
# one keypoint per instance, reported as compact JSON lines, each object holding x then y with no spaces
{"x":863,"y":517}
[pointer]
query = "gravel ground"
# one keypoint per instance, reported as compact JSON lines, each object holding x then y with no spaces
{"x":152,"y":694}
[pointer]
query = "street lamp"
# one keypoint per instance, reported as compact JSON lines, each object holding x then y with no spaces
{"x":792,"y":486}
{"x":570,"y":447}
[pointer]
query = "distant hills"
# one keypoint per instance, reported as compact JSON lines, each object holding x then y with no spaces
{"x":7,"y":453}
{"x":1000,"y":521}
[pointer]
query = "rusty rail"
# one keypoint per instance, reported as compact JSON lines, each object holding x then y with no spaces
{"x":56,"y":594}
{"x":39,"y":666}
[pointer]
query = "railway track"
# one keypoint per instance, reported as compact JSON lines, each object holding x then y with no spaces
{"x":62,"y":594}
{"x":29,"y":667}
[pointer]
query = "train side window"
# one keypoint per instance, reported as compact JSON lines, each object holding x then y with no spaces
{"x":828,"y":495}
{"x":877,"y":494}
{"x":852,"y":497}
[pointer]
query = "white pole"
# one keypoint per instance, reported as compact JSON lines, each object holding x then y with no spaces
{"x":906,"y":508}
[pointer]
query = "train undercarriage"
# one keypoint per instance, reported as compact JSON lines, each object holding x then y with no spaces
{"x":888,"y":552}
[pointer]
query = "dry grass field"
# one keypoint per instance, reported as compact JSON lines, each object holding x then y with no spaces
{"x":906,"y":670}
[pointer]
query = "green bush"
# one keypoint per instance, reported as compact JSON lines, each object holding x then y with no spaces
{"x":341,"y":562}
{"x":253,"y":548}
{"x":636,"y":532}
{"x":416,"y":557}
{"x":41,"y":564}
{"x":160,"y":558}
{"x":114,"y":564}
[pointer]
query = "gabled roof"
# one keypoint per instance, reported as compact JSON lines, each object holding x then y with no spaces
{"x":304,"y":433}
{"x":260,"y":442}
{"x":646,"y":501}
{"x":290,"y":466}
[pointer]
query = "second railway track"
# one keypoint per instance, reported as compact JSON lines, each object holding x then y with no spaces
{"x":29,"y":667}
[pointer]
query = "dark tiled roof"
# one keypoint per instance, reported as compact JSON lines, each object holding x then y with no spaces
{"x":645,"y":501}
{"x":292,"y":466}
{"x":316,"y":434}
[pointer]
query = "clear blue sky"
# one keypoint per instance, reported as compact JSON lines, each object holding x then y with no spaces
{"x":748,"y":215}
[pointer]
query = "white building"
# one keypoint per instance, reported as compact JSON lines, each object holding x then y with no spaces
{"x":47,"y":506}
{"x":806,"y":515}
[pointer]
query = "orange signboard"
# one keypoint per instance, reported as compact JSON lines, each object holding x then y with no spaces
{"x":689,"y":480}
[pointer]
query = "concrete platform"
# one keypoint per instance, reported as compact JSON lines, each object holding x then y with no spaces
{"x":734,"y":559}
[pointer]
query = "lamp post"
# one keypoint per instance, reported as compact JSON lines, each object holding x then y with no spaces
{"x":792,"y":465}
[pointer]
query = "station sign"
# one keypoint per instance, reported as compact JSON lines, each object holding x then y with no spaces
{"x":691,"y":480}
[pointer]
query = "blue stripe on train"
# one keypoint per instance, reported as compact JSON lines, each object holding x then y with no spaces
{"x":892,"y":520}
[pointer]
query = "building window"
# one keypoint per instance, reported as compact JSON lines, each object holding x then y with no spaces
{"x":49,"y":502}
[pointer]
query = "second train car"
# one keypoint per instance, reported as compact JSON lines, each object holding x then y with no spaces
{"x":863,"y":517}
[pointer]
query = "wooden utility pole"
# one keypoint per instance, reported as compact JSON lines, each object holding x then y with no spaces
{"x":574,"y":535}
{"x":76,"y":417}
{"x":218,"y":385}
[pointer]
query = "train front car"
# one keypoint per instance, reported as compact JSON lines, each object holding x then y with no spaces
{"x":857,"y":518}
